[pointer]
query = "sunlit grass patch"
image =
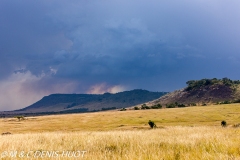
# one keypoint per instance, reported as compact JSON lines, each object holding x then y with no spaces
{"x":169,"y":143}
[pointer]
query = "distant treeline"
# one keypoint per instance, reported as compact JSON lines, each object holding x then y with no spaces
{"x":192,"y":84}
{"x":78,"y":110}
{"x":159,"y":106}
{"x":180,"y":105}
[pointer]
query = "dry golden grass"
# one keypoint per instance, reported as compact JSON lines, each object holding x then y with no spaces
{"x":169,"y":143}
{"x":125,"y":120}
{"x":183,"y":133}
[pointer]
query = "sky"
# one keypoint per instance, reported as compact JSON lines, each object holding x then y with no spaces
{"x":97,"y":46}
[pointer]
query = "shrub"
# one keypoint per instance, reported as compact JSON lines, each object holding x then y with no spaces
{"x":236,"y":101}
{"x":193,"y":104}
{"x":123,"y":109}
{"x":172,"y":105}
{"x":19,"y":117}
{"x":223,"y":123}
{"x":236,"y":125}
{"x":144,"y":106}
{"x":152,"y":124}
{"x":147,"y":107}
{"x":136,"y":108}
{"x":158,"y":106}
{"x":181,"y":105}
{"x":225,"y":102}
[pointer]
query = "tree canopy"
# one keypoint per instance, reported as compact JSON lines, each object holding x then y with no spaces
{"x":204,"y":82}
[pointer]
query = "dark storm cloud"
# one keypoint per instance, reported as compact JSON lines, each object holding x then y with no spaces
{"x":96,"y":46}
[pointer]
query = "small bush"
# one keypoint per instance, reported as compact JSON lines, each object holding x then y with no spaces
{"x":158,"y":106}
{"x":236,"y":101}
{"x":223,"y":123}
{"x":147,"y":107}
{"x":136,"y":108}
{"x":181,"y":105}
{"x":123,"y":109}
{"x":192,"y":104}
{"x":19,"y":117}
{"x":172,"y":105}
{"x":225,"y":102}
{"x":236,"y":125}
{"x":152,"y":124}
{"x":144,"y":106}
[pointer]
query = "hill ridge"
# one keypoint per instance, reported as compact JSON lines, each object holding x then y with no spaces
{"x":202,"y":92}
{"x":91,"y":102}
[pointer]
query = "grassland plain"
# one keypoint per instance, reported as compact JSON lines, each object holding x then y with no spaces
{"x":182,"y":133}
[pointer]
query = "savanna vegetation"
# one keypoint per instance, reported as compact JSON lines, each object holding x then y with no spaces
{"x":181,"y":133}
{"x":194,"y":84}
{"x":170,"y":143}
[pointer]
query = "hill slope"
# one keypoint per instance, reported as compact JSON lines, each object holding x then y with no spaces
{"x":91,"y":102}
{"x":205,"y":91}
